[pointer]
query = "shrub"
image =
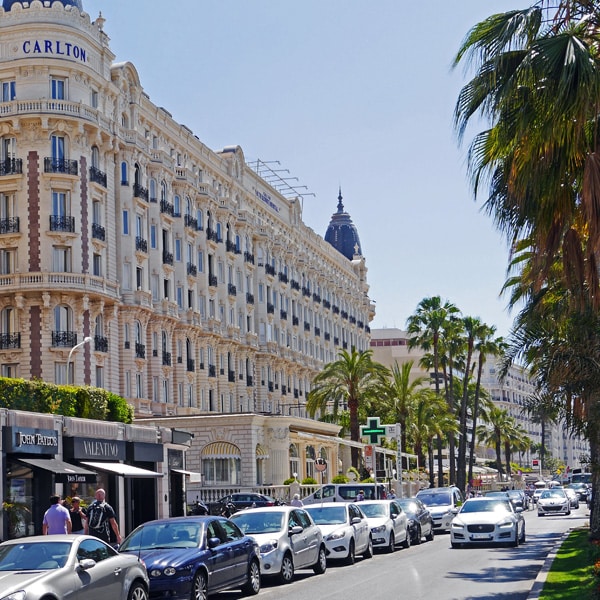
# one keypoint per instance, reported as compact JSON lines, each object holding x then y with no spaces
{"x":289,"y":481}
{"x":340,"y":479}
{"x":309,"y":481}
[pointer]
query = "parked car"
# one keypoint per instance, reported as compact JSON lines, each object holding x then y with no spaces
{"x":420,"y":521}
{"x":193,"y":557}
{"x":443,"y":503}
{"x":288,"y":540}
{"x":488,"y":520}
{"x":346,"y":492}
{"x":552,"y":502}
{"x":573,"y":496}
{"x":388,"y":522}
{"x":582,"y":490}
{"x":345,"y":528}
{"x":227,"y":505}
{"x":516,"y":497}
{"x":66,"y":566}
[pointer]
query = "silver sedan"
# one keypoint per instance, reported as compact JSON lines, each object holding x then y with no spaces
{"x":66,"y":566}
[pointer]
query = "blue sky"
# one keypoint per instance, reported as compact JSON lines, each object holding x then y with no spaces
{"x":342,"y":93}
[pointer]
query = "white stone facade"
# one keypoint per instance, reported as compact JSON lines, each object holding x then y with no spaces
{"x":202,"y":289}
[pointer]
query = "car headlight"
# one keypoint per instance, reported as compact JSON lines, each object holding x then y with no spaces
{"x":19,"y":595}
{"x":268,"y":546}
{"x":168,"y":571}
{"x":457,"y":525}
{"x":378,"y":529}
{"x":506,"y":524}
{"x":337,"y":535}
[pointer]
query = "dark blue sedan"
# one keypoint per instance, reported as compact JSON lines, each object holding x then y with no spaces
{"x":193,"y":557}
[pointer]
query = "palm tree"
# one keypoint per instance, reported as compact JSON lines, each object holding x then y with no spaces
{"x":401,"y":393}
{"x":425,"y":327}
{"x":486,"y":345}
{"x":352,"y":379}
{"x":497,"y":420}
{"x":543,"y":408}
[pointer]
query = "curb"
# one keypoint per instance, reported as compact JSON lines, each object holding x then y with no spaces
{"x":539,"y":581}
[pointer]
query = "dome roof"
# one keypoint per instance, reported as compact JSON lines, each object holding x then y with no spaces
{"x":7,"y":4}
{"x":342,"y":233}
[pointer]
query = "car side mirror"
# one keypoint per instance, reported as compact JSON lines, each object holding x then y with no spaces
{"x":87,"y":563}
{"x":213,"y":542}
{"x":296,"y":529}
{"x":355,"y":520}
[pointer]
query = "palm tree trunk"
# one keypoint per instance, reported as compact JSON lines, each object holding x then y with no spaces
{"x":595,"y":461}
{"x":430,"y":460}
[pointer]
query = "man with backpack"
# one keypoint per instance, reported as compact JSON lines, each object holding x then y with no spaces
{"x":101,"y":519}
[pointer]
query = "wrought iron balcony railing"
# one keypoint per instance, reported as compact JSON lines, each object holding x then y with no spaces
{"x":98,"y":176}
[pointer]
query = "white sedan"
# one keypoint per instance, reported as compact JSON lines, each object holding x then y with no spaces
{"x":389,"y":524}
{"x":345,"y":528}
{"x":487,"y":520}
{"x":552,"y":502}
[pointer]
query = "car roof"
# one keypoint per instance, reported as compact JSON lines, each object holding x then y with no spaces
{"x":267,"y":509}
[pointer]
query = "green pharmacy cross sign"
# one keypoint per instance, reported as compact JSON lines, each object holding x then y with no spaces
{"x":373,"y":430}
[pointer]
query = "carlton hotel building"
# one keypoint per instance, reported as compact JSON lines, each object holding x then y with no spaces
{"x":136,"y":259}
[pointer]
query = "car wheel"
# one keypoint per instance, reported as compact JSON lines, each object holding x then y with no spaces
{"x":351,"y":555}
{"x":515,"y":542}
{"x":286,"y":574}
{"x":406,"y":542}
{"x":321,"y":565}
{"x":418,"y":535}
{"x":199,"y":587}
{"x":392,"y":545}
{"x":522,"y":539}
{"x":568,"y":513}
{"x":137,"y":591}
{"x":429,"y":536}
{"x":252,"y":586}
{"x":368,"y":553}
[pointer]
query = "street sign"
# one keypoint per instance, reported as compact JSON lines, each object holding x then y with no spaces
{"x":373,"y":430}
{"x":320,"y":465}
{"x":391,"y":430}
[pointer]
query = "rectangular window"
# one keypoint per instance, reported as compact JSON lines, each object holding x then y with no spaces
{"x":200,"y":261}
{"x":8,"y":150}
{"x":155,"y":389}
{"x":60,"y":373}
{"x":9,"y":91}
{"x":60,"y":204}
{"x":9,"y":370}
{"x":125,"y":222}
{"x":128,"y":384}
{"x":96,"y":213}
{"x":179,"y":293}
{"x":177,"y":249}
{"x":94,"y":99}
{"x":202,"y":306}
{"x":154,"y":282}
{"x":153,"y":238}
{"x":261,"y":292}
{"x":139,"y":389}
{"x":7,"y":259}
{"x":61,"y":259}
{"x":58,"y":88}
{"x":139,"y":278}
{"x":99,"y":377}
{"x":97,"y":265}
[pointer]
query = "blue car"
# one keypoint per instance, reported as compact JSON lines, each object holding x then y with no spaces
{"x":193,"y":557}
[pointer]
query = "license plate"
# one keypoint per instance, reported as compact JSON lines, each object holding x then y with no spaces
{"x":480,"y":536}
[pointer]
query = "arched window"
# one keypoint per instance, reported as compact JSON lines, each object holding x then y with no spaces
{"x":124,"y":174}
{"x":177,"y":205}
{"x":62,"y":318}
{"x":137,"y":177}
{"x":95,"y":157}
{"x":310,"y":461}
{"x":200,"y":219}
{"x":152,"y":190}
{"x":189,"y":207}
{"x":99,"y":326}
{"x":163,"y":191}
{"x":139,"y":333}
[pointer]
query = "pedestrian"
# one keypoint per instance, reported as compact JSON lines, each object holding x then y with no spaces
{"x":57,"y":518}
{"x":78,"y":518}
{"x":360,"y":496}
{"x":101,"y":519}
{"x":391,"y":495}
{"x":296,"y":501}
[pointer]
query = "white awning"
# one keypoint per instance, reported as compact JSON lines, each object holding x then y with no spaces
{"x":194,"y":477}
{"x":122,"y":469}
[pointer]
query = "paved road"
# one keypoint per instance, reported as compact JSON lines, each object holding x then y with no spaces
{"x":434,"y":571}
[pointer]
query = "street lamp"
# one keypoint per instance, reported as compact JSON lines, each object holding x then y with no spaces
{"x":86,"y":340}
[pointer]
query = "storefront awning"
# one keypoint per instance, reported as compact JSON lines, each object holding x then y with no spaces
{"x":261,"y":452}
{"x":122,"y":469}
{"x":64,"y":472}
{"x":194,"y":477}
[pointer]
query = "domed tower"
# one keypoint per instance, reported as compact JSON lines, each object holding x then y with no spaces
{"x":7,"y":4}
{"x":342,"y":233}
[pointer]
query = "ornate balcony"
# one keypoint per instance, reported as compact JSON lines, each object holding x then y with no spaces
{"x":249,"y":257}
{"x":270,"y":308}
{"x":231,"y":376}
{"x":9,"y":225}
{"x":11,"y":166}
{"x":141,"y":245}
{"x":60,"y":165}
{"x":98,"y":176}
{"x":140,"y":350}
{"x":212,"y":371}
{"x":191,"y":222}
{"x":283,"y":315}
{"x":213,"y":281}
{"x":190,"y":365}
{"x":98,"y":232}
{"x":249,"y":298}
{"x":64,"y":339}
{"x":100,"y":343}
{"x":167,"y":258}
{"x":62,"y":223}
{"x":231,"y":289}
{"x":167,"y":208}
{"x":140,"y":192}
{"x":166,"y":359}
{"x":192,"y":270}
{"x":270,"y":270}
{"x":10,"y":341}
{"x":282,"y":277}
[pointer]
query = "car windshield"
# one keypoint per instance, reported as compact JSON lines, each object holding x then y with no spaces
{"x":408,"y":506}
{"x":163,"y":535}
{"x":34,"y":556}
{"x":438,"y":499}
{"x":327,"y":515}
{"x":374,"y":510}
{"x":475,"y":506}
{"x":553,"y":494}
{"x":259,"y":522}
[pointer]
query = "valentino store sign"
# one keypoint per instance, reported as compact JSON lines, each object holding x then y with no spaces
{"x":94,"y":449}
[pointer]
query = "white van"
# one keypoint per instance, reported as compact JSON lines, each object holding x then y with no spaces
{"x":345,"y":492}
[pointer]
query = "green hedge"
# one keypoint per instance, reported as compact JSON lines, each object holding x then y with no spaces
{"x":70,"y":401}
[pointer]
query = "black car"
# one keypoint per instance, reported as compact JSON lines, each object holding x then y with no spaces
{"x":227,"y":505}
{"x":420,"y":521}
